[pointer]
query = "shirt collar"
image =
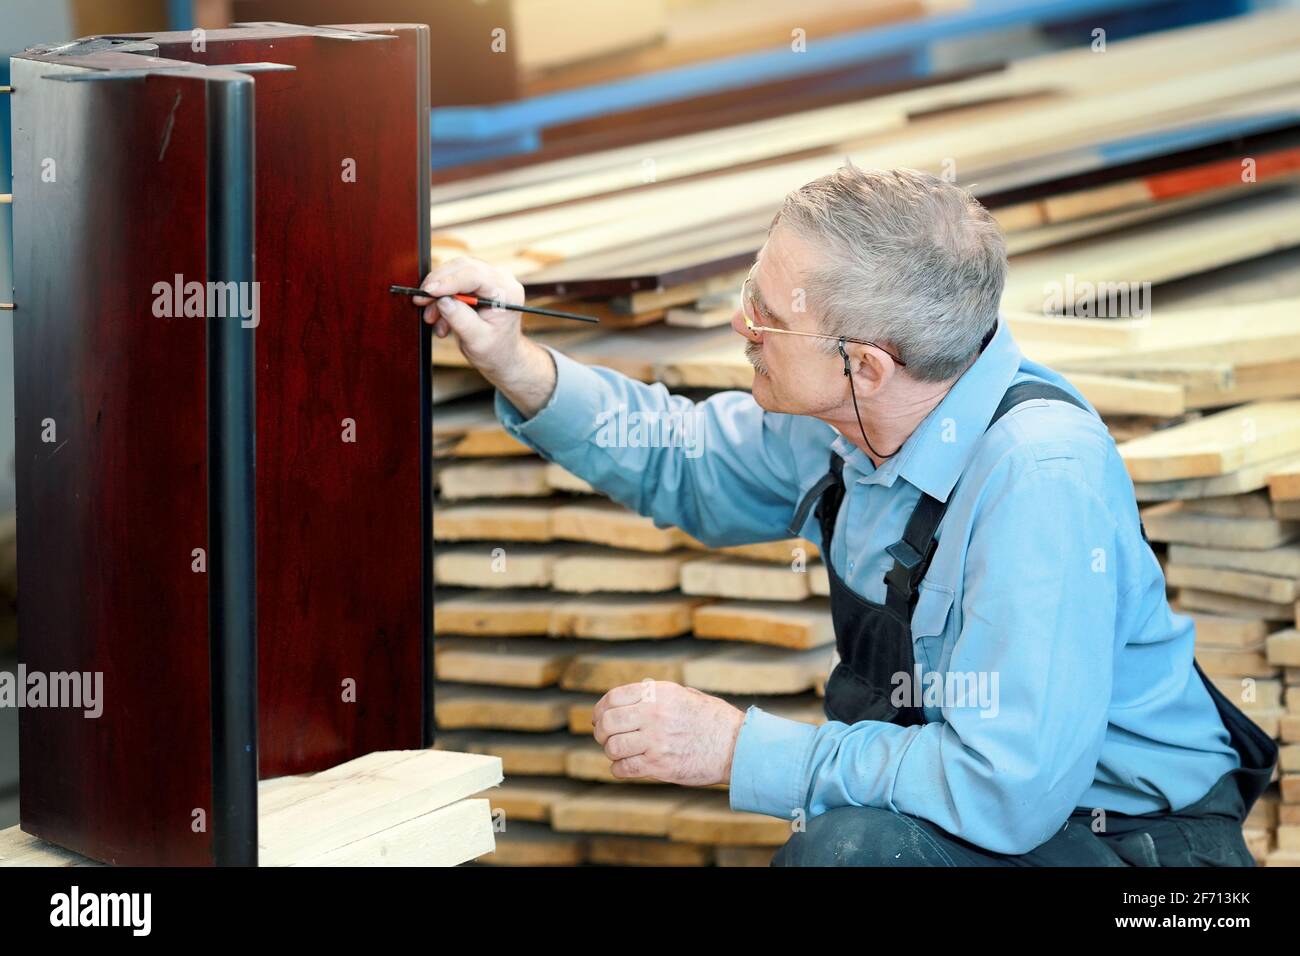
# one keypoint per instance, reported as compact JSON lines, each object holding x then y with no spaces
{"x":936,"y":453}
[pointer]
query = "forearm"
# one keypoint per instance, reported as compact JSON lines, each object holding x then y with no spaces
{"x":715,"y":469}
{"x":527,"y":379}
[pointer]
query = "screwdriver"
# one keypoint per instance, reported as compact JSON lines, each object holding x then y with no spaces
{"x":479,"y":301}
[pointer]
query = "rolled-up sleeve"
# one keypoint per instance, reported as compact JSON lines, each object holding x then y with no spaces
{"x":721,"y":469}
{"x":1038,"y":626}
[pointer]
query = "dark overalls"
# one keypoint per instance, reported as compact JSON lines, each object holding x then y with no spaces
{"x":875,"y":644}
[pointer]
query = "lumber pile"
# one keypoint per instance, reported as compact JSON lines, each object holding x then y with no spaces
{"x":1114,"y":193}
{"x":388,"y":808}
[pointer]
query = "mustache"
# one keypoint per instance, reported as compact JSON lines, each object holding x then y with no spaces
{"x":754,"y":355}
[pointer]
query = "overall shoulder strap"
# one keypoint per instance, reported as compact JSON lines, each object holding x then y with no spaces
{"x":1028,"y":391}
{"x":914,"y":551}
{"x":833,"y":475}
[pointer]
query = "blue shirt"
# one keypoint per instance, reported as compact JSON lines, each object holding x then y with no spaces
{"x":1042,"y":587}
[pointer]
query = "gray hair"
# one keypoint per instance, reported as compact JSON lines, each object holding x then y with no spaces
{"x":912,"y":261}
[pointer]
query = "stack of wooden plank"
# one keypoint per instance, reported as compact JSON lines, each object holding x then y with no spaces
{"x":545,"y":602}
{"x":547,"y":594}
{"x":388,"y":808}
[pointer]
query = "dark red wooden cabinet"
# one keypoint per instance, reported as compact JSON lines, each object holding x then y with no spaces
{"x":116,"y":194}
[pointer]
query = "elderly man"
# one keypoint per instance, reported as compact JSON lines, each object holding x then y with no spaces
{"x":1012,"y":686}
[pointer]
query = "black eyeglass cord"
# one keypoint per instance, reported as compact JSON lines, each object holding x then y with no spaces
{"x":848,"y":373}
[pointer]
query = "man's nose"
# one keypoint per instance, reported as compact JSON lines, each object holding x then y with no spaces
{"x":738,"y":323}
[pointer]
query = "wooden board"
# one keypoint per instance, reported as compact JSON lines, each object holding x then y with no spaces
{"x":743,"y":856}
{"x":453,"y":383}
{"x":534,"y":844}
{"x":530,"y":798}
{"x":1172,"y":523}
{"x":521,"y":478}
{"x":469,"y":429}
{"x":491,"y":614}
{"x":709,"y":819}
{"x":1242,"y":481}
{"x":586,"y":570}
{"x":501,"y":708}
{"x":498,"y":520}
{"x":1233,"y":662}
{"x":1216,"y":444}
{"x":758,"y":670}
{"x":495,"y":566}
{"x":509,"y":662}
{"x":644,"y":811}
{"x":562,"y":480}
{"x":804,"y":625}
{"x":1252,"y":696}
{"x":1284,"y":484}
{"x":786,"y":551}
{"x":1281,"y":562}
{"x":622,"y":617}
{"x":1284,"y":648}
{"x":22,"y":849}
{"x":1217,"y":603}
{"x":380,"y":808}
{"x":1261,"y":587}
{"x":645,"y":851}
{"x":521,"y":754}
{"x":609,"y":523}
{"x":602,"y":669}
{"x":1224,"y":631}
{"x":1254,"y":505}
{"x":732,"y":577}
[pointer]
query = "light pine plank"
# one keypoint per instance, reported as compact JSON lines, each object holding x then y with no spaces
{"x":317,"y":817}
{"x":494,"y":614}
{"x":708,"y":819}
{"x":1216,"y":444}
{"x":495,"y":521}
{"x":1177,"y":525}
{"x":758,"y":670}
{"x":1260,"y":587}
{"x":458,"y":706}
{"x":509,"y":662}
{"x":535,"y":844}
{"x":642,"y":811}
{"x":1284,"y":648}
{"x":1217,"y":603}
{"x":494,"y":565}
{"x":530,"y":798}
{"x":646,"y":851}
{"x":804,"y":625}
{"x":609,"y":523}
{"x":587,"y":570}
{"x":602,"y":669}
{"x":491,"y":478}
{"x":732,"y":577}
{"x":521,"y":754}
{"x":622,"y":617}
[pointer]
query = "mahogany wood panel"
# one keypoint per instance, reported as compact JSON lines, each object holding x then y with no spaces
{"x":109,"y":511}
{"x":338,"y":525}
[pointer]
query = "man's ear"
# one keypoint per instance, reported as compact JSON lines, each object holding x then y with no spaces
{"x":872,"y":369}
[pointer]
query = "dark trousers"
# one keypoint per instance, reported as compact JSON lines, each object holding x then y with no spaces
{"x":1207,"y":833}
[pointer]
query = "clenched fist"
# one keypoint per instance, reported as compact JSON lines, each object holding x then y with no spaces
{"x":667,"y":732}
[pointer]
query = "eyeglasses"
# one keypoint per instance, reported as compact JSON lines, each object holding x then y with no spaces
{"x":748,"y":308}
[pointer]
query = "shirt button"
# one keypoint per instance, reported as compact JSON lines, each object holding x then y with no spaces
{"x":850,"y":567}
